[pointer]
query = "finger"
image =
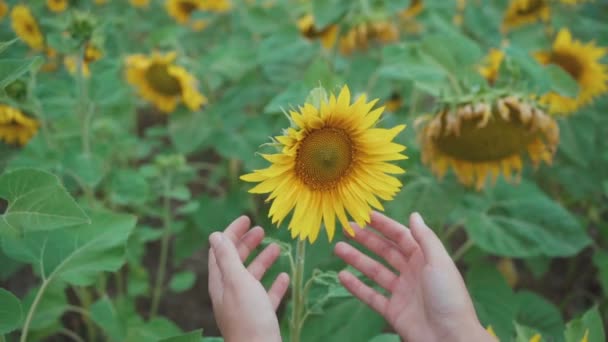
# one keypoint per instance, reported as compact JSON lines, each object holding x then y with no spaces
{"x":227,"y":258}
{"x":237,"y":228}
{"x":395,"y":232}
{"x":264,"y":260}
{"x":215,"y":279}
{"x":250,"y":241}
{"x":433,"y":250}
{"x":379,"y":245}
{"x":365,"y":293}
{"x":278,"y":289}
{"x":368,"y":266}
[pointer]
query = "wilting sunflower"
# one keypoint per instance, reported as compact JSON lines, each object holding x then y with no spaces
{"x":140,"y":3}
{"x":162,"y":82}
{"x":91,"y":54}
{"x":582,"y":62}
{"x":25,"y":26}
{"x":3,"y":9}
{"x":489,"y":69}
{"x":333,"y":162}
{"x":182,"y":10}
{"x":216,"y":5}
{"x":523,"y":12}
{"x":485,"y":139}
{"x":415,"y":7}
{"x":16,"y":127}
{"x":57,"y":5}
{"x":327,"y":34}
{"x":359,"y":36}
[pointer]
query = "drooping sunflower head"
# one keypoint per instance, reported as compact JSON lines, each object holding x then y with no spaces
{"x":26,"y":27}
{"x":327,"y":34}
{"x":360,"y":35}
{"x":333,"y":162}
{"x":583,"y":62}
{"x":159,"y":80}
{"x":182,"y":10}
{"x":140,"y":3}
{"x":57,"y":6}
{"x":16,"y":127}
{"x":523,"y":12}
{"x":91,"y":55}
{"x":484,"y":139}
{"x":491,"y":66}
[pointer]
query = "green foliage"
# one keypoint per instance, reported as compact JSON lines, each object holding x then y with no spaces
{"x":11,"y":313}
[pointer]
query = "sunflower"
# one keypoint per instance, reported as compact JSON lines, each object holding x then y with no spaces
{"x":3,"y":9}
{"x":415,"y":7}
{"x":16,"y":127}
{"x":481,"y":139}
{"x":333,"y":161}
{"x":523,"y":12}
{"x":327,"y":34}
{"x":57,"y":5}
{"x":491,"y":66}
{"x":216,"y":5}
{"x":359,"y":36}
{"x":25,"y":26}
{"x":140,"y":3}
{"x":582,"y":62}
{"x":91,"y":54}
{"x":163,"y":83}
{"x":182,"y":10}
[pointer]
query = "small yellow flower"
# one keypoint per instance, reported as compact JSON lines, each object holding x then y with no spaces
{"x":491,"y":66}
{"x":16,"y":127}
{"x":333,"y":162}
{"x":358,"y":37}
{"x":523,"y":12}
{"x":57,"y":6}
{"x":327,"y":34}
{"x":25,"y":26}
{"x":583,"y":62}
{"x":3,"y":9}
{"x":91,"y":54}
{"x":163,"y":83}
{"x":140,"y":3}
{"x":182,"y":10}
{"x":482,"y":140}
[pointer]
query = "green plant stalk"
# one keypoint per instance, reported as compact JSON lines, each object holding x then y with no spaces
{"x":299,"y":300}
{"x":164,"y":250}
{"x":83,"y":105}
{"x":32,"y":310}
{"x":462,"y":250}
{"x":85,"y":300}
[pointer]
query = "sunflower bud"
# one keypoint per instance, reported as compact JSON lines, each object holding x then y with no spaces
{"x":82,"y":27}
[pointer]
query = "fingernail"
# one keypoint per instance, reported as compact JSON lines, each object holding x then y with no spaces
{"x":216,"y":239}
{"x":418,"y":219}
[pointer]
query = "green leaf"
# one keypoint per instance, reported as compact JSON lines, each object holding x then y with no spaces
{"x":105,"y":315}
{"x":12,"y":69}
{"x":50,"y":308}
{"x":193,"y":336}
{"x":7,"y":44}
{"x":525,"y":334}
{"x":77,"y":254}
{"x":386,"y":338}
{"x":590,"y":322}
{"x":540,"y":314}
{"x":87,"y":168}
{"x":153,"y":330}
{"x":600,"y":260}
{"x":36,"y":201}
{"x":11,"y":313}
{"x":327,"y":12}
{"x":561,"y":81}
{"x":521,"y":221}
{"x":182,"y":281}
{"x":129,"y":187}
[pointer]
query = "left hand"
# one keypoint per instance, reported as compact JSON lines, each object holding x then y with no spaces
{"x":243,"y":309}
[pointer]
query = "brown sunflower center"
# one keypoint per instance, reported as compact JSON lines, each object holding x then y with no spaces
{"x":532,"y":7}
{"x":187,"y":7}
{"x":567,"y":62}
{"x":158,"y":77}
{"x":496,"y":140}
{"x":324,"y":157}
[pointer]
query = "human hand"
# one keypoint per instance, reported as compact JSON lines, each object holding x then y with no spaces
{"x":243,"y":310}
{"x":427,"y":298}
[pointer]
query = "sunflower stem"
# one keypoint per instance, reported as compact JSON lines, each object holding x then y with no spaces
{"x":462,"y":250}
{"x":164,"y":249}
{"x":299,"y":300}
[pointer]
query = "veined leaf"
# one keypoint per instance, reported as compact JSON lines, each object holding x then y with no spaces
{"x":11,"y":313}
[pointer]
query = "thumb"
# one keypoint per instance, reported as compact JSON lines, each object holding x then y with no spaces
{"x":227,"y":257}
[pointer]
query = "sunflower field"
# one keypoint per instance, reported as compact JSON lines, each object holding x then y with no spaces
{"x":130,"y":130}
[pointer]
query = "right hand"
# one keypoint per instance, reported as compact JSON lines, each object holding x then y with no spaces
{"x":427,"y":298}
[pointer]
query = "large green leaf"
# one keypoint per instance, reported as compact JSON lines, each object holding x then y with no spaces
{"x":193,"y":336}
{"x":36,"y":201}
{"x":521,"y":221}
{"x":12,"y":69}
{"x":106,"y":316}
{"x":589,"y":323}
{"x":600,"y":260}
{"x":11,"y":313}
{"x":540,"y":314}
{"x":77,"y":254}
